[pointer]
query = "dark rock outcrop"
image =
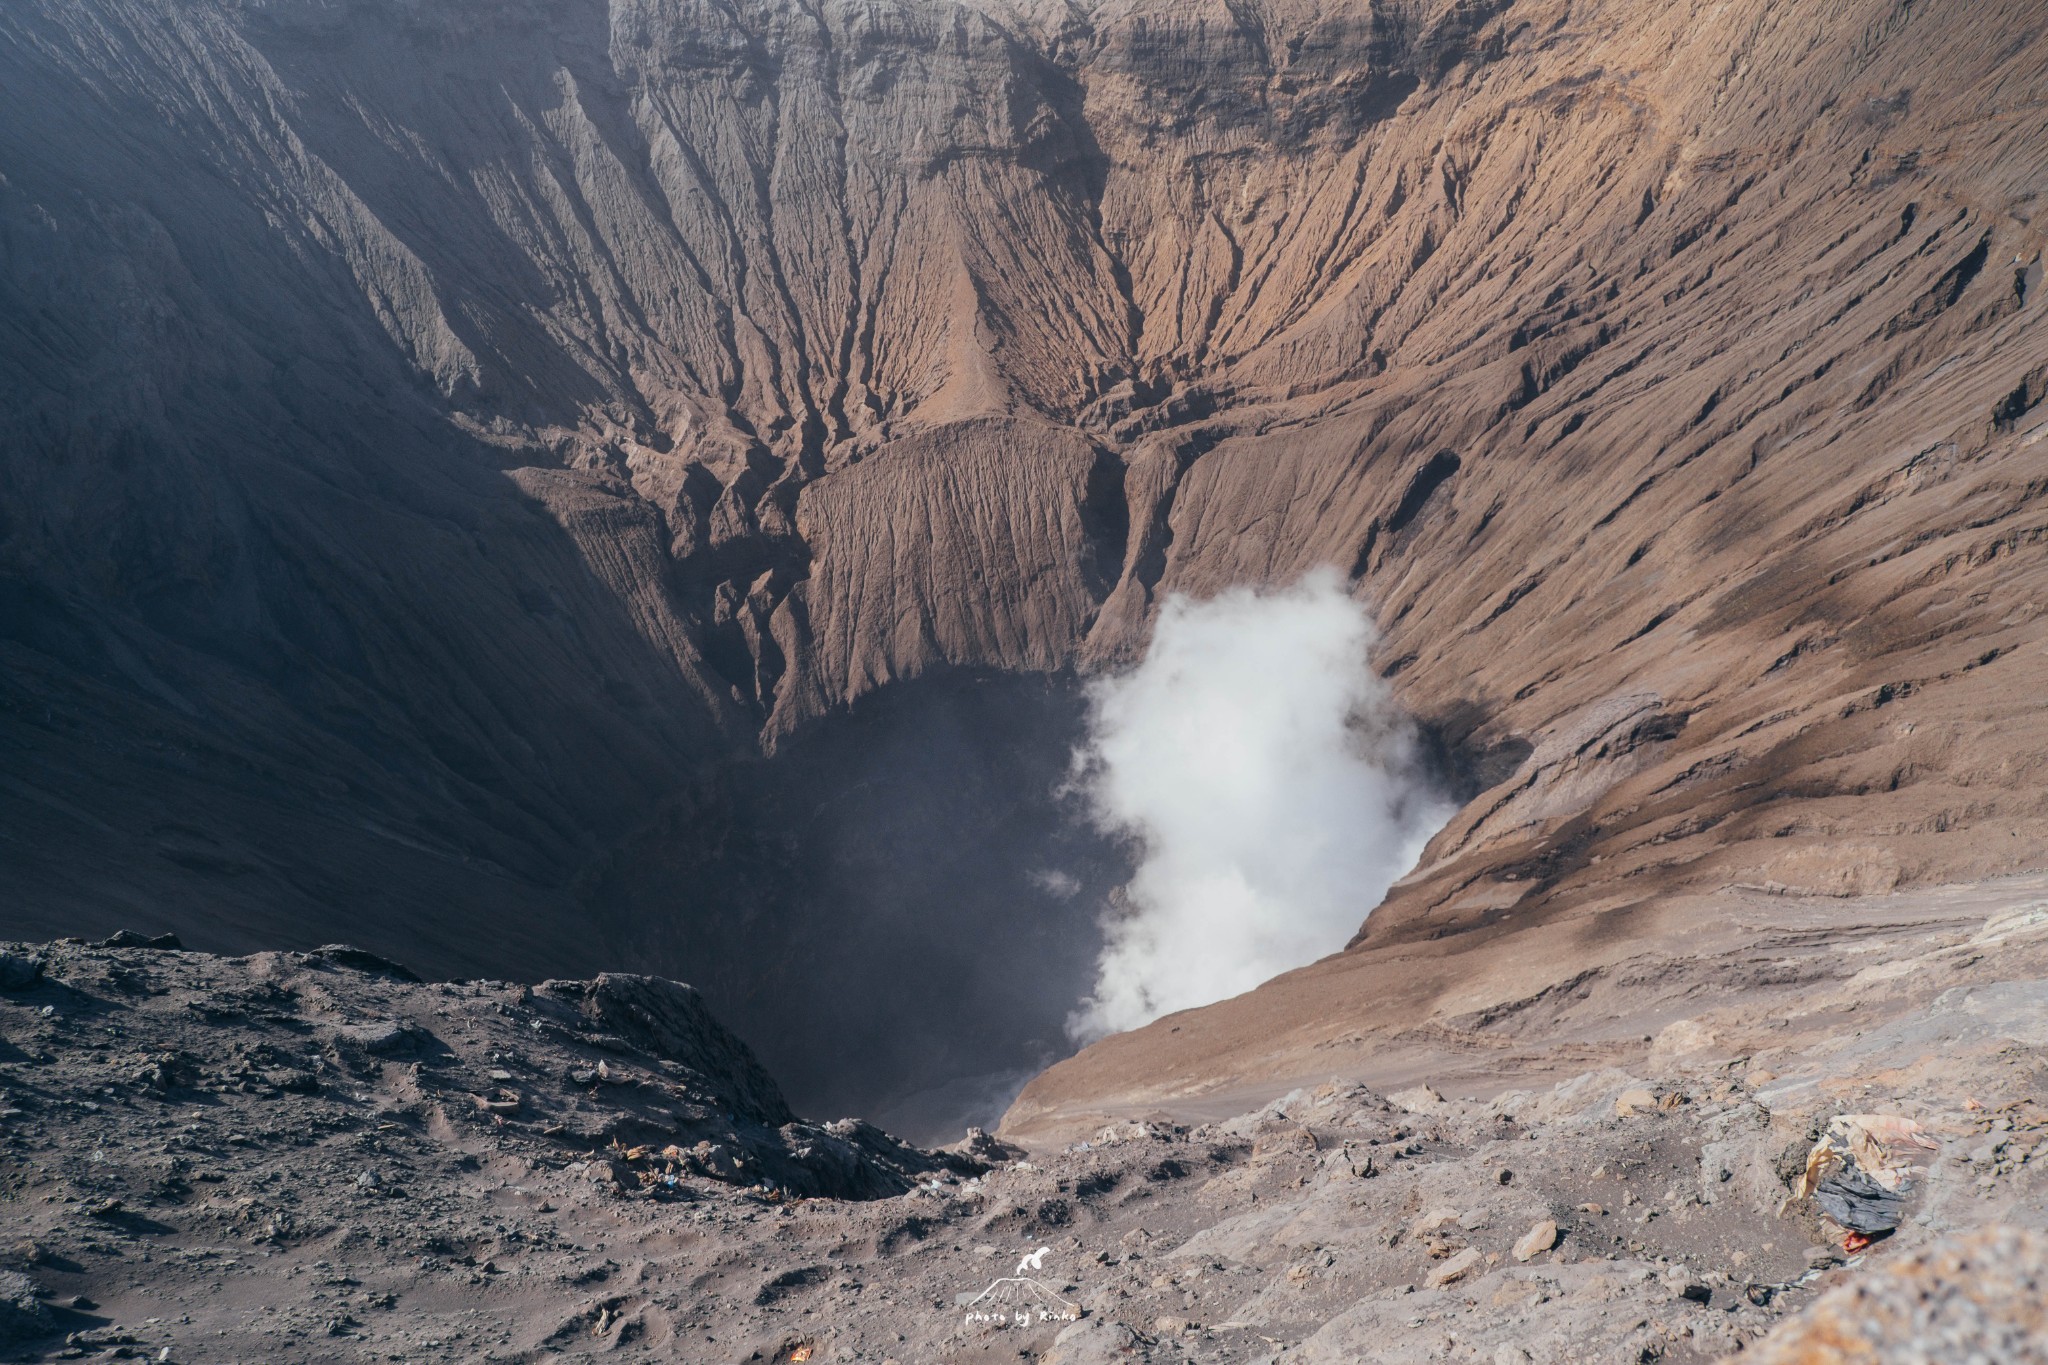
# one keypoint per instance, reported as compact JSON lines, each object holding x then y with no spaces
{"x":629,"y":1072}
{"x":23,"y":1317}
{"x":669,"y":1020}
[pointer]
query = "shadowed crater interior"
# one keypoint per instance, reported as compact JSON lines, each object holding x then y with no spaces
{"x":897,"y":910}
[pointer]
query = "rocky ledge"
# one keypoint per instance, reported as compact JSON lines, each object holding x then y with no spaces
{"x":311,"y":1156}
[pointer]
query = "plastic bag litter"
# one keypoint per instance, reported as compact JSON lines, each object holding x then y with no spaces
{"x":1861,"y":1168}
{"x":1859,"y":1204}
{"x":1871,"y":1143}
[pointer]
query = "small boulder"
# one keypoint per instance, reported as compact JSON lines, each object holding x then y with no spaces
{"x":23,"y":1317}
{"x":380,"y":1037}
{"x":1455,"y":1269}
{"x":1687,"y":1286}
{"x":1093,"y":1341}
{"x":19,"y":971}
{"x":1633,"y":1102}
{"x":979,"y":1147}
{"x":718,"y":1161}
{"x":1436,"y":1220}
{"x":1537,"y":1240}
{"x":1422,"y":1099}
{"x":1280,"y":1137}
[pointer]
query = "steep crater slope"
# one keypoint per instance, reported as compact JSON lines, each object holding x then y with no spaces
{"x":441,"y":440}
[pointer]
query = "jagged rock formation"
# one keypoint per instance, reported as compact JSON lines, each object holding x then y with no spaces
{"x":604,"y":1068}
{"x":438,"y":431}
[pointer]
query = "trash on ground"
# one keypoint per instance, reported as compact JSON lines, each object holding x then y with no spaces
{"x":1860,"y":1171}
{"x":1858,"y":1204}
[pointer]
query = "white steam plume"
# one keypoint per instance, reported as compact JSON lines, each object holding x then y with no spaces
{"x":1271,"y":786}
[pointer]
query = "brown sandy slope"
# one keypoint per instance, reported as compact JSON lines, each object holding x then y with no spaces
{"x":434,"y":430}
{"x":1734,"y":540}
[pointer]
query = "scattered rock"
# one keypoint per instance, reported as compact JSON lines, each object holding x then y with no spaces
{"x":1283,"y":1137}
{"x":101,"y":1338}
{"x":1091,"y":1341}
{"x":1683,"y":1284}
{"x":658,"y":1170}
{"x":1422,"y":1099}
{"x":1436,"y":1220}
{"x":1541,"y":1237}
{"x":1456,"y":1268}
{"x":979,"y":1146}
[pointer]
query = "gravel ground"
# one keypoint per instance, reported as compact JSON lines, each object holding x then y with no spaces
{"x":310,"y":1157}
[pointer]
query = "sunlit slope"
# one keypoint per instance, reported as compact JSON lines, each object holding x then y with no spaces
{"x":435,"y":430}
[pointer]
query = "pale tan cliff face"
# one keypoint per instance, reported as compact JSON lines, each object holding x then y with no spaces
{"x":1669,"y":375}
